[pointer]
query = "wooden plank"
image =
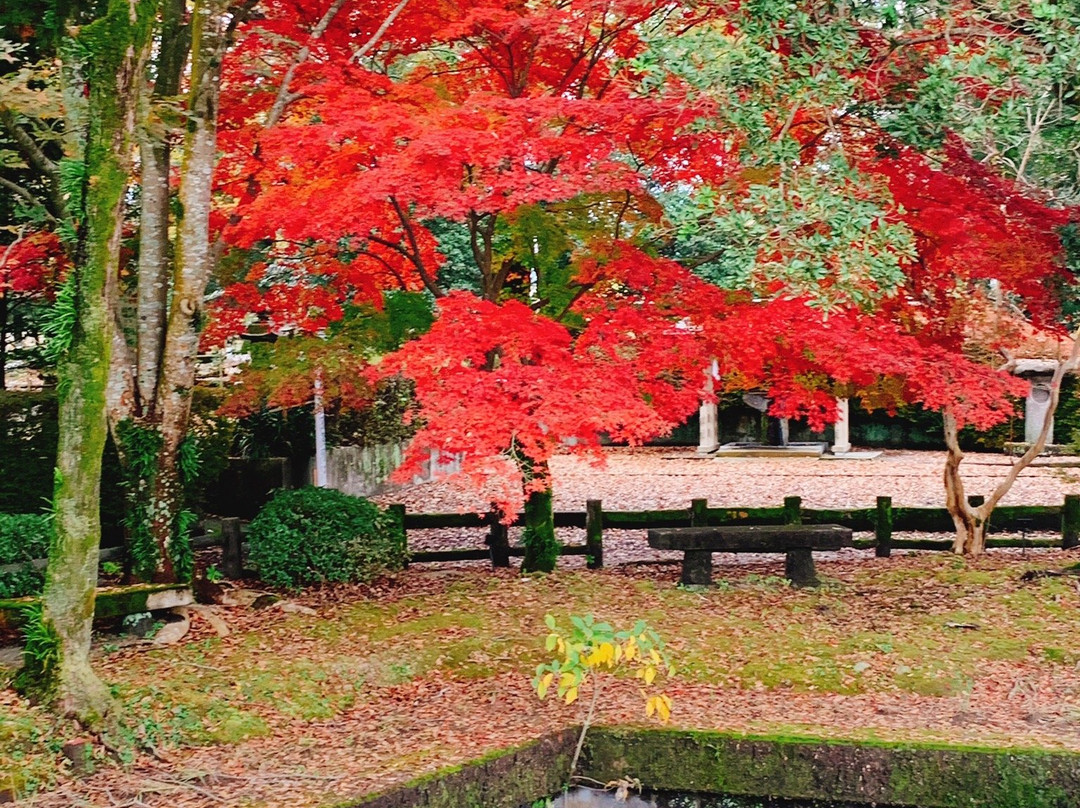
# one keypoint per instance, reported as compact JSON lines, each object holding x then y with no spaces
{"x":594,"y":533}
{"x":424,"y":556}
{"x":793,"y":510}
{"x":735,"y":516}
{"x":751,"y":539}
{"x":570,"y":519}
{"x":883,"y":524}
{"x":430,"y":521}
{"x":922,"y":544}
{"x":1070,"y":522}
{"x":639,"y":520}
{"x":857,"y":519}
{"x":922,"y":520}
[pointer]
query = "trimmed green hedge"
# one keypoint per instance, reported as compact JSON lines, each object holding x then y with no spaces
{"x":315,"y":535}
{"x":23,"y":537}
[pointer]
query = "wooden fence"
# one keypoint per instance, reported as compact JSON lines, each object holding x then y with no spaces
{"x":883,"y":520}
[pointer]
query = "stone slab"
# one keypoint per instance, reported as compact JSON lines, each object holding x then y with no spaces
{"x":810,"y":449}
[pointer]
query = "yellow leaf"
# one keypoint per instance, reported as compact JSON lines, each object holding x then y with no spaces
{"x":655,"y":656}
{"x":545,"y":683}
{"x":607,"y":652}
{"x":663,"y":708}
{"x":650,"y":706}
{"x":631,"y":648}
{"x":566,"y":680}
{"x":571,"y":695}
{"x":650,"y":674}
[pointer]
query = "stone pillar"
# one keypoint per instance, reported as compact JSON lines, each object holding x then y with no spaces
{"x":709,"y":428}
{"x":708,"y":419}
{"x":841,"y":441}
{"x":1036,"y":410}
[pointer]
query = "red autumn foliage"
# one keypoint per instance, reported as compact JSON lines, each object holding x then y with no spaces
{"x":540,"y":106}
{"x":32,"y":265}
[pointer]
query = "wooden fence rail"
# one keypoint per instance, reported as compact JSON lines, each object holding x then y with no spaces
{"x":883,"y":520}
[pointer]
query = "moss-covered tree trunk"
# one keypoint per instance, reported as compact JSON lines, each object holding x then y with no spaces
{"x":152,"y":407}
{"x":115,"y":48}
{"x":541,"y":544}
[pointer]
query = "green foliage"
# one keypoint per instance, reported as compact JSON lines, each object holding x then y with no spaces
{"x":314,"y":535}
{"x":28,"y":435}
{"x":28,"y":440}
{"x":139,"y":447}
{"x":276,"y":433}
{"x":541,"y":543}
{"x":62,"y":317}
{"x":23,"y":537}
{"x":408,"y":315}
{"x":41,"y":653}
{"x":389,"y":419}
{"x":212,"y":436}
{"x":588,"y":647}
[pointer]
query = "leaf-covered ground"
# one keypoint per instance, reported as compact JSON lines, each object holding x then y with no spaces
{"x":431,"y":667}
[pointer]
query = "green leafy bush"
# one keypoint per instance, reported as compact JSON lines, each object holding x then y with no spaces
{"x":23,"y":537}
{"x":312,"y":535}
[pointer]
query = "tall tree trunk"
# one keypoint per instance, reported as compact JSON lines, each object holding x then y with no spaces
{"x":136,"y":372}
{"x":968,"y":520}
{"x":191,"y":272}
{"x":971,"y":520}
{"x":116,"y":46}
{"x":541,"y":544}
{"x":3,"y":338}
{"x":155,"y":260}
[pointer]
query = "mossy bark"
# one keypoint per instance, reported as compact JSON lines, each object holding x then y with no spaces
{"x":154,"y":382}
{"x":541,"y":544}
{"x":116,"y":46}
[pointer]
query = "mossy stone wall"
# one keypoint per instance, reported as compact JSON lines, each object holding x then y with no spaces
{"x":506,"y":779}
{"x":878,"y":774}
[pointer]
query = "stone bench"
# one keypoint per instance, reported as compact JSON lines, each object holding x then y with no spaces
{"x":797,"y":541}
{"x":109,"y":602}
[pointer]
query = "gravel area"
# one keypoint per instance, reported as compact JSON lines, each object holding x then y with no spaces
{"x":654,"y":478}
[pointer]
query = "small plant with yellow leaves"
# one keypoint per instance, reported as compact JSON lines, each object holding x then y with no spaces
{"x":588,"y":648}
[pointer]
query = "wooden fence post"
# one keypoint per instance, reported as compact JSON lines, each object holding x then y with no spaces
{"x":398,"y":512}
{"x":698,"y":512}
{"x":883,"y":528}
{"x":498,"y":540}
{"x":594,"y":534}
{"x":792,"y":510}
{"x":232,"y":561}
{"x":1070,"y":522}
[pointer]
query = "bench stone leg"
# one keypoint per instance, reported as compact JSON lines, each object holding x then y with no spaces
{"x":799,"y":568}
{"x":697,"y":568}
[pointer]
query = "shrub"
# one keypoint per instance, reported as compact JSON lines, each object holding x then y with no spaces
{"x":23,"y":537}
{"x":312,"y":535}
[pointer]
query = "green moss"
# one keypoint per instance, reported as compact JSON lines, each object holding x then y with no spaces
{"x":928,"y":775}
{"x":541,"y":544}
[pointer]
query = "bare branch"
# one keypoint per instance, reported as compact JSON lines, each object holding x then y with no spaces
{"x":284,"y":96}
{"x":364,"y":49}
{"x":23,"y":193}
{"x":1036,"y":448}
